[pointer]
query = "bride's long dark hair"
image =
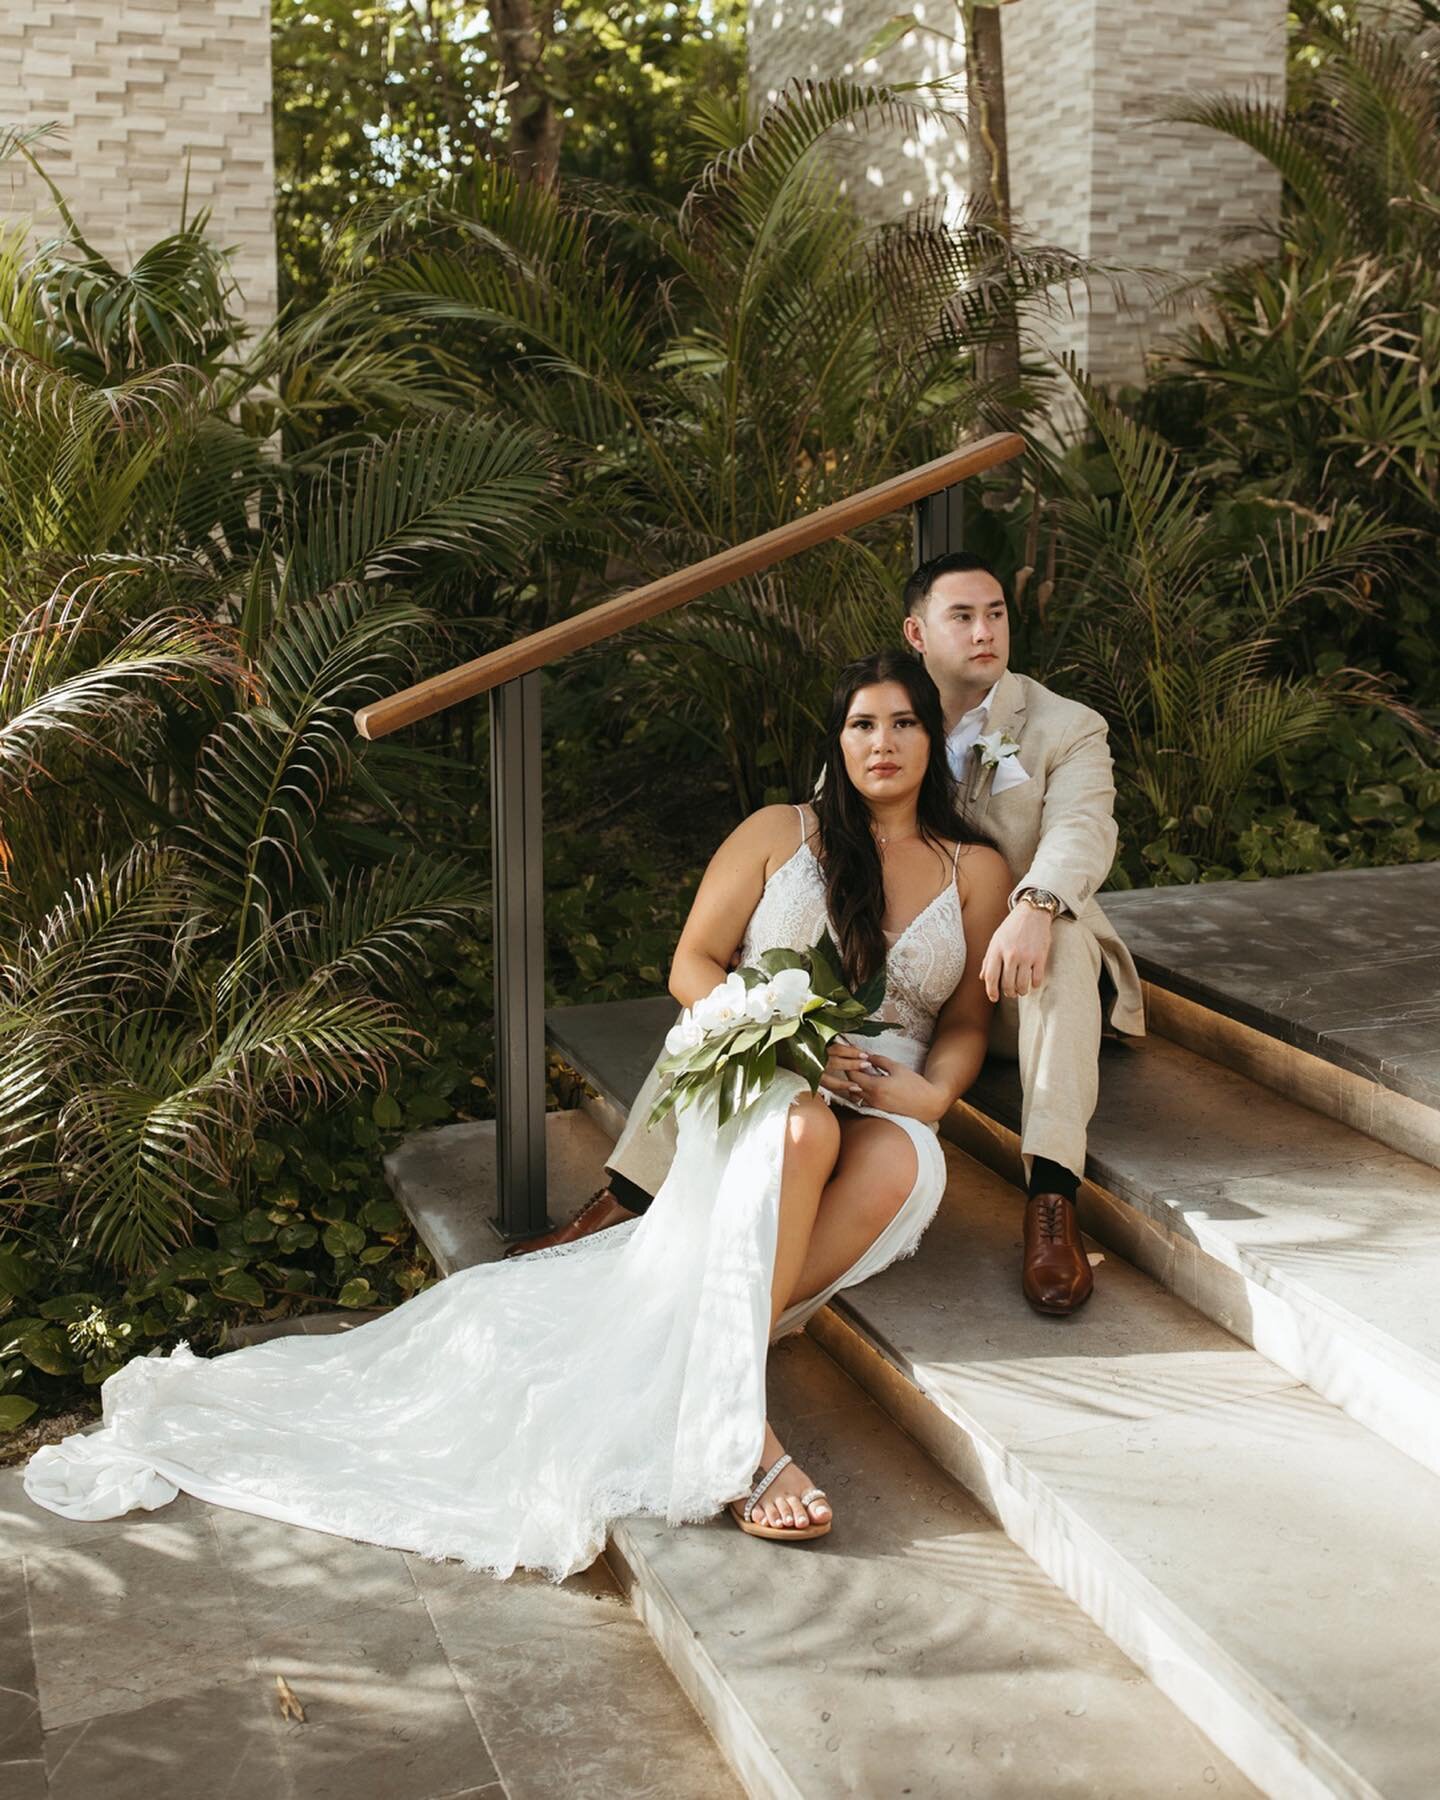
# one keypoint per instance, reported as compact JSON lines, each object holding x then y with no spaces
{"x":849,"y":858}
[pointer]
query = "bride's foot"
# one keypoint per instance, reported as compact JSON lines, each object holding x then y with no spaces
{"x":790,"y":1503}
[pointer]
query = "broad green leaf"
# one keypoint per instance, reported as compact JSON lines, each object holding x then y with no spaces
{"x":344,"y":1239}
{"x":69,"y":1306}
{"x":356,"y":1292}
{"x":237,"y":1285}
{"x":17,"y":1277}
{"x":381,"y":1215}
{"x":14,"y":1411}
{"x":50,"y":1352}
{"x":14,"y":1331}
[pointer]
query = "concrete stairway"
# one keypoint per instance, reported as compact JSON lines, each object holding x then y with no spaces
{"x":917,"y":1651}
{"x":1253,"y":1529}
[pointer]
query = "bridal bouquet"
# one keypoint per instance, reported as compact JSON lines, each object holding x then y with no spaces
{"x":780,"y":1014}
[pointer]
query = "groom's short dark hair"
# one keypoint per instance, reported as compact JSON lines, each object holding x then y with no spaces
{"x":953,"y":562}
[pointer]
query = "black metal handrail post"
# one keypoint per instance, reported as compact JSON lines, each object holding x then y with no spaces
{"x":517,"y":886}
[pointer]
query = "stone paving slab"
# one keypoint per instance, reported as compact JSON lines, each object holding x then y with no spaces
{"x":1344,"y":964}
{"x":139,"y":1656}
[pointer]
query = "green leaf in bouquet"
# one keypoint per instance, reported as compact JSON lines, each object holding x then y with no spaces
{"x":752,"y":978}
{"x":762,"y":1073}
{"x":748,"y":1039}
{"x":773,"y":961}
{"x":827,"y":967}
{"x":732,"y":1090}
{"x":873,"y":992}
{"x":823,"y":1030}
{"x":782,"y":1029}
{"x":805,"y":1054}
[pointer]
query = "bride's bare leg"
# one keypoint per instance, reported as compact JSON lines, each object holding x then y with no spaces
{"x":812,"y":1143}
{"x":873,"y":1176}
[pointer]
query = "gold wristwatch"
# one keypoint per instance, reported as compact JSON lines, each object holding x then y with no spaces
{"x":1043,"y":901}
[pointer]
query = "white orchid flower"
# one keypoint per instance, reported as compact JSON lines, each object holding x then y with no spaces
{"x":790,"y":990}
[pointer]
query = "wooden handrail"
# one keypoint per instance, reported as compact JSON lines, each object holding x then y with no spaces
{"x":541,"y":647}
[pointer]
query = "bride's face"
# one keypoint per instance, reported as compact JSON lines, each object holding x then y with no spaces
{"x":885,"y":746}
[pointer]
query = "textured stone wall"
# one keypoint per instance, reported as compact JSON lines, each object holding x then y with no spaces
{"x":1093,"y":170}
{"x":135,"y":86}
{"x":1089,"y":168}
{"x":888,"y":171}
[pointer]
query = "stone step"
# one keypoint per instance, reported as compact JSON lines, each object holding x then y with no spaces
{"x":1323,"y":987}
{"x":1311,"y":1241}
{"x":1255,"y":1597}
{"x":914,"y":1651}
{"x":1308,"y":1239}
{"x":1265,"y":1559}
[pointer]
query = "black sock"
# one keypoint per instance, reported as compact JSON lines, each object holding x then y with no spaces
{"x":630,"y":1195}
{"x":1046,"y":1177}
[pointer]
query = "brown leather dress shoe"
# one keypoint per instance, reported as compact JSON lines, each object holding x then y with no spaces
{"x":599,"y":1213}
{"x":1056,"y":1276}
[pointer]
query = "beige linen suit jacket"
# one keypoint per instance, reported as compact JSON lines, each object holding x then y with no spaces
{"x":1057,"y":829}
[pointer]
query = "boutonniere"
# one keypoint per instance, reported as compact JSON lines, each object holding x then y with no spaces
{"x":994,"y":748}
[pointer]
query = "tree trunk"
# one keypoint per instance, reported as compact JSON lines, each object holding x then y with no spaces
{"x":535,"y":123}
{"x":999,"y":359}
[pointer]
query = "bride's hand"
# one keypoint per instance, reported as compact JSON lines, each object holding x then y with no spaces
{"x":899,"y":1089}
{"x":843,"y":1064}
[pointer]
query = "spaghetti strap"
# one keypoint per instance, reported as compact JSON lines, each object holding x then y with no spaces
{"x":955,"y":860}
{"x":804,"y":824}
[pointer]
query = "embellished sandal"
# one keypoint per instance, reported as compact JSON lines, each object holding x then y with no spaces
{"x":741,"y":1511}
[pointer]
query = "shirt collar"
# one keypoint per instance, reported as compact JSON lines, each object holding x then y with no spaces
{"x":980,"y":710}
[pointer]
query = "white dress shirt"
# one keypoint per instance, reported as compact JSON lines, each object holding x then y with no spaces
{"x":966,"y":734}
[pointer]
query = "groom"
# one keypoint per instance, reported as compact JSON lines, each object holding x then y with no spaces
{"x":1034,"y":774}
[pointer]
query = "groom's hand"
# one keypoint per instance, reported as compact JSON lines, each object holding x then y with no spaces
{"x":1015,"y":962}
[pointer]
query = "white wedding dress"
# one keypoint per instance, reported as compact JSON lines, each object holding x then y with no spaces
{"x":509,"y":1414}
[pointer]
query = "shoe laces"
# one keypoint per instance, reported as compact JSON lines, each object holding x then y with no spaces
{"x":1051,"y":1215}
{"x":600,"y":1195}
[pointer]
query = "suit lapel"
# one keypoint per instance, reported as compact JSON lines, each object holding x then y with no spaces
{"x":1007,"y":713}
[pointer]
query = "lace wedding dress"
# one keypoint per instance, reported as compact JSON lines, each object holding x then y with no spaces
{"x":508,"y":1414}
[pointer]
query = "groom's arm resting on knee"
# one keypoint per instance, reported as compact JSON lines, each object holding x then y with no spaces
{"x":962,"y":1029}
{"x":1072,"y":859}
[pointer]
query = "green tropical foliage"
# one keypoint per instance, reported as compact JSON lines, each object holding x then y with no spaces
{"x":213,"y":921}
{"x":1315,"y":385}
{"x":1180,"y":635}
{"x":379,"y":102}
{"x":783,"y":356}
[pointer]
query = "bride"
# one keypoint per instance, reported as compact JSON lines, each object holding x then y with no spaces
{"x":507,"y":1415}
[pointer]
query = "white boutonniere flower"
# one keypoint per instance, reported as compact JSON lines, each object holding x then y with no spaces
{"x":999,"y":751}
{"x":994,"y":747}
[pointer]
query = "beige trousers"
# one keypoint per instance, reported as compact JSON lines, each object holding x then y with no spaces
{"x":1054,"y":1034}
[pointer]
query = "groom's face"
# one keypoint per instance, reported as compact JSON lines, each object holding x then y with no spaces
{"x":962,"y":629}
